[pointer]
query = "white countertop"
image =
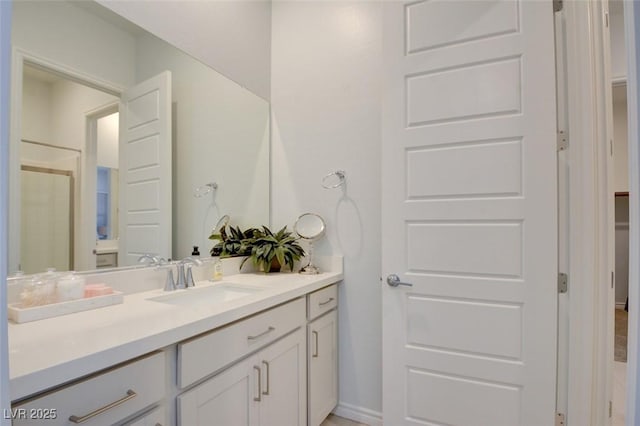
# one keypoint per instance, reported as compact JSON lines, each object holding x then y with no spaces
{"x":44,"y":354}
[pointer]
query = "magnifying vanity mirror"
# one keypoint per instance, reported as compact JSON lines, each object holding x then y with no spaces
{"x":221,"y":225}
{"x":310,"y":227}
{"x":112,"y":130}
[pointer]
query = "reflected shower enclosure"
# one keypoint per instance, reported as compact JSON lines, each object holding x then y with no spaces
{"x":47,"y":206}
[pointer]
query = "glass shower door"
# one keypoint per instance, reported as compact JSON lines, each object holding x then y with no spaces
{"x":46,"y":219}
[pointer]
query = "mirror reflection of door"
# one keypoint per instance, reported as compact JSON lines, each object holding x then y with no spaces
{"x":55,"y":115}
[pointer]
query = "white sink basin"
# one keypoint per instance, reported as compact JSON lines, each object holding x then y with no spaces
{"x":208,"y":295}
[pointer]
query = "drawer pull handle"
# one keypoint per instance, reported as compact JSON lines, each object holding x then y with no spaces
{"x":130,"y":395}
{"x":315,"y":338}
{"x":329,"y":300}
{"x":259,"y":397}
{"x":264,"y":333}
{"x":266,"y":364}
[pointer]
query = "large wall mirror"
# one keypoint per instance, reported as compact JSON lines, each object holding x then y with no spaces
{"x":117,"y":138}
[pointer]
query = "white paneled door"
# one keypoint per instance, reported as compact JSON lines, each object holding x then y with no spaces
{"x":145,"y":170}
{"x":469,"y":213}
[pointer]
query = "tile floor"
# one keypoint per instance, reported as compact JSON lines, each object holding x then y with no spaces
{"x":339,"y":421}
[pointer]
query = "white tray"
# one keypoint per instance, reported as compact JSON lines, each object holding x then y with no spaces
{"x":19,"y":314}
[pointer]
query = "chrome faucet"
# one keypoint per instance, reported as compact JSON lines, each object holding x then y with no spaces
{"x":150,"y":259}
{"x":185,"y":280}
{"x":147,"y":258}
{"x":181,"y":284}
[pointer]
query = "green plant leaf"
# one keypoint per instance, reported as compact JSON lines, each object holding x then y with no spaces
{"x":243,"y":262}
{"x":261,"y":245}
{"x":280,"y":255}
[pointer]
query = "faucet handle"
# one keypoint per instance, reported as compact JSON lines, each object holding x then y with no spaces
{"x":148,"y":258}
{"x":190,"y":260}
{"x":170,"y":283}
{"x":190,"y":281}
{"x":180,"y":284}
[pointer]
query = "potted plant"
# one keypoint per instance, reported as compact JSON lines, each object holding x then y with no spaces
{"x":270,"y":251}
{"x":234,"y":243}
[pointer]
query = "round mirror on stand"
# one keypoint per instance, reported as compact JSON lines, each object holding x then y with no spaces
{"x":221,"y":225}
{"x":219,"y":234}
{"x":310,"y":227}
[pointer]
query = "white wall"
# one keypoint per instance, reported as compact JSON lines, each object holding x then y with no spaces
{"x":94,"y":46}
{"x":70,"y":104}
{"x":108,"y":140}
{"x":618,"y":53}
{"x":325,"y":94}
{"x":232,"y":37}
{"x":221,"y":134}
{"x":620,"y":144}
{"x":36,"y":105}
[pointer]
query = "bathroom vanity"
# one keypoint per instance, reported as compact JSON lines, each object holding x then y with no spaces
{"x":253,"y":349}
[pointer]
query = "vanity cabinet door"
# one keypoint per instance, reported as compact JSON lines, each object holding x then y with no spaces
{"x":228,"y":399}
{"x":284,"y":384}
{"x":323,"y":367}
{"x":155,"y":417}
{"x":267,"y":389}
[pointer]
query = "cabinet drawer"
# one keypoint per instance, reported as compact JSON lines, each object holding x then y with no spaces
{"x":204,"y":355}
{"x":322,"y":301}
{"x":110,"y":397}
{"x":106,"y":260}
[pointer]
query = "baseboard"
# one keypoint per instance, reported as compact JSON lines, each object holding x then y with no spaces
{"x":620,"y":305}
{"x":358,"y":414}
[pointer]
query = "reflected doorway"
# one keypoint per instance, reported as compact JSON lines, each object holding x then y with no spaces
{"x":68,"y":130}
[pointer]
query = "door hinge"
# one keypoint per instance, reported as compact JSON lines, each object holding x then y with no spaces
{"x":557,"y":5}
{"x":610,"y":409}
{"x":563,"y":140}
{"x":560,"y":419}
{"x":563,"y":282}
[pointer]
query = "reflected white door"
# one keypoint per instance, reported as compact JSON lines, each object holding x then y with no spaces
{"x":469,"y":213}
{"x":145,"y":170}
